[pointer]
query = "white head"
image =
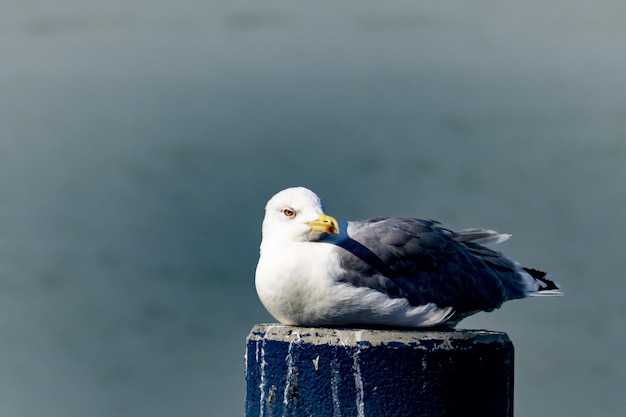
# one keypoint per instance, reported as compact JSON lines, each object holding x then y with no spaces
{"x":296,"y":214}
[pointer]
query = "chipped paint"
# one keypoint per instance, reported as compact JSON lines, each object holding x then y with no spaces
{"x":291,"y":387}
{"x":335,"y":380}
{"x":316,"y":363}
{"x":358,"y":380}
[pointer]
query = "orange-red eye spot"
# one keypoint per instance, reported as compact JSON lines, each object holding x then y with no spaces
{"x":289,"y":212}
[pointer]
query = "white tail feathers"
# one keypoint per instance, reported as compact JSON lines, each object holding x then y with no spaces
{"x":542,"y":293}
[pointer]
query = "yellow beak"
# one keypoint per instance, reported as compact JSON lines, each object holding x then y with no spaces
{"x":324,"y":223}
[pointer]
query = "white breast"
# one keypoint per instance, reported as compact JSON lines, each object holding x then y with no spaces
{"x":295,"y":280}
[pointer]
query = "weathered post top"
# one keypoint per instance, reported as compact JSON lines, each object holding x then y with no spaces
{"x":302,"y":371}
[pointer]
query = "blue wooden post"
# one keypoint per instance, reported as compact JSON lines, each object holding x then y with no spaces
{"x":302,"y":371}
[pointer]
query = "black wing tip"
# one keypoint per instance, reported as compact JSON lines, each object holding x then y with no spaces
{"x":546,"y":283}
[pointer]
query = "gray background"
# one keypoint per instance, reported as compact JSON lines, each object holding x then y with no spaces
{"x":140,"y":140}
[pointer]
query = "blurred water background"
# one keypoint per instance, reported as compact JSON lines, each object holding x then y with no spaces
{"x":140,"y":140}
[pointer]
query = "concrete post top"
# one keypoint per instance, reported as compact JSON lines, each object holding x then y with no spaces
{"x":365,"y":337}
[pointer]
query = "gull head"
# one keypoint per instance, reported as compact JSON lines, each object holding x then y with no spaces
{"x":296,"y":215}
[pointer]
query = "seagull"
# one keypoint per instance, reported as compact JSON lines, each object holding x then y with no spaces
{"x":384,"y":271}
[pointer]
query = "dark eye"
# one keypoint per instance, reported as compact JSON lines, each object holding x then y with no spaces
{"x":289,"y":212}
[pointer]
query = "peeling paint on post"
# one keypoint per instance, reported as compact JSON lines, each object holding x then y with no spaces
{"x":304,"y":371}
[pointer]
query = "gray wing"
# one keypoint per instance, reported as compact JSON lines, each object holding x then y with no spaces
{"x":425,"y":263}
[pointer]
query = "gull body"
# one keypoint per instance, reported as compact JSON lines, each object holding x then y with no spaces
{"x":316,"y":271}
